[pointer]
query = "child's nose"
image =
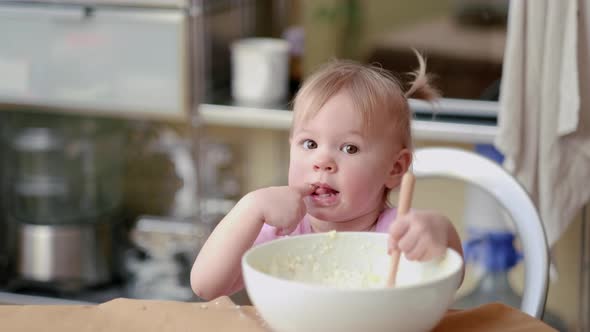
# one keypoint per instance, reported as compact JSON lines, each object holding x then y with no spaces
{"x":325,"y":164}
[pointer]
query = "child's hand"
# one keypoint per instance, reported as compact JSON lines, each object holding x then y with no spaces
{"x":420,"y":235}
{"x":282,"y":207}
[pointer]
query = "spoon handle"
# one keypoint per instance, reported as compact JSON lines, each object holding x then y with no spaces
{"x":405,"y":200}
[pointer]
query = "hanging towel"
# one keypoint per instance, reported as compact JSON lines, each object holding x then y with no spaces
{"x":544,"y":120}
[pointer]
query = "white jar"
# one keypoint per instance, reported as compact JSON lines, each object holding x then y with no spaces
{"x":260,"y":71}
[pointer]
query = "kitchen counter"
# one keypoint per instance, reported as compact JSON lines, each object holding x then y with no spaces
{"x":13,"y":298}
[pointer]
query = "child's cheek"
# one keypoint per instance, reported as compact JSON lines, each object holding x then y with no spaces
{"x":296,"y":173}
{"x":365,"y":184}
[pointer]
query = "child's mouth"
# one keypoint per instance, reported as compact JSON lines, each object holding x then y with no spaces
{"x":325,"y":195}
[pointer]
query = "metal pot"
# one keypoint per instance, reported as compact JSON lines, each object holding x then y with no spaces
{"x":69,"y":257}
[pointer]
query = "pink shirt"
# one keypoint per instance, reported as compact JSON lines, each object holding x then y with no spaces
{"x":268,"y":233}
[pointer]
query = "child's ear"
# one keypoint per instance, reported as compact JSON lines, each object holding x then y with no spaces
{"x":398,"y":168}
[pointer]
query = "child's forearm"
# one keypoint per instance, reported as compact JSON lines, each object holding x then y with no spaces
{"x":217,"y":270}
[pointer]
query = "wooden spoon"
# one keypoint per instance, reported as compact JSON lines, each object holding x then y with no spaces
{"x":405,"y":200}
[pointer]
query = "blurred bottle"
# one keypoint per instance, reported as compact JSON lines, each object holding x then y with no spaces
{"x":494,"y":253}
{"x":295,"y":36}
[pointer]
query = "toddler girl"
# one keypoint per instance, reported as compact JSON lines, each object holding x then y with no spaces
{"x":350,"y":144}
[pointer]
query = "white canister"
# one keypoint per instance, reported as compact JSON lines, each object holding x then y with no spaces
{"x":260,"y":70}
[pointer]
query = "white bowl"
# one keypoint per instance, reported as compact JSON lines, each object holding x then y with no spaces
{"x":336,"y":282}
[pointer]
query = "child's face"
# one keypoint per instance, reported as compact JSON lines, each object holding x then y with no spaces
{"x":352,"y":168}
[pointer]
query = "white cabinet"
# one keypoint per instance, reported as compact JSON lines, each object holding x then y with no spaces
{"x":101,"y":59}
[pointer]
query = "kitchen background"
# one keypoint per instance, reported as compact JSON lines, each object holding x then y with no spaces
{"x":121,"y":144}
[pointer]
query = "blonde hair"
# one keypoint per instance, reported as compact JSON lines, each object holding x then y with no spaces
{"x":371,"y":88}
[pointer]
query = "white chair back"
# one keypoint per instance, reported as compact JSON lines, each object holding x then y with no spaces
{"x":491,"y":177}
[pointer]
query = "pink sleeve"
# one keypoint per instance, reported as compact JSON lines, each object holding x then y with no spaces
{"x":385,"y":219}
{"x":267,"y":233}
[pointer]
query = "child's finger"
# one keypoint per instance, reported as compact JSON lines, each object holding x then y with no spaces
{"x":410,"y":240}
{"x":306,"y":189}
{"x":434,"y":251}
{"x":419,"y":251}
{"x":397,"y":230}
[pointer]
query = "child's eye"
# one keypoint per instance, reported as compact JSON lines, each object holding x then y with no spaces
{"x":350,"y":149}
{"x":309,"y":144}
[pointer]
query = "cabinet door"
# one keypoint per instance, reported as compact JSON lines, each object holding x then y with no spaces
{"x":123,"y":61}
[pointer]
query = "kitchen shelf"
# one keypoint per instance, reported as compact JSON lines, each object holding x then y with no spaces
{"x":459,"y":129}
{"x":246,"y":117}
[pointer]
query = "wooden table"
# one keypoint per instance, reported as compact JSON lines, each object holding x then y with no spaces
{"x":217,"y":315}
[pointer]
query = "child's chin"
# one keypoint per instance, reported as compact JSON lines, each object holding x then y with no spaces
{"x":324,"y":215}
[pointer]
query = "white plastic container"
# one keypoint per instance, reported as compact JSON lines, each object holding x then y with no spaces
{"x":260,"y":71}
